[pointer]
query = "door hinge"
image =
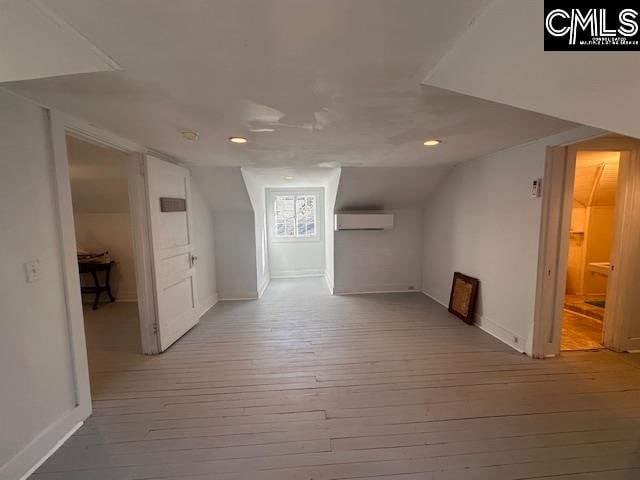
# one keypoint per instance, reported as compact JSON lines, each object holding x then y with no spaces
{"x":142,"y":168}
{"x":155,"y":328}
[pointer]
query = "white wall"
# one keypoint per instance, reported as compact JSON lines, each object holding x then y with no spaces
{"x":204,"y":249}
{"x":483,"y":222}
{"x":296,"y":257}
{"x":256,"y":192}
{"x":37,"y":400}
{"x":330,"y":192}
{"x":235,"y":254}
{"x":381,"y":261}
{"x":224,"y":192}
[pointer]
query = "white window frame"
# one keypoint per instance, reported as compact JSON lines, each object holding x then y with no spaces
{"x":297,"y":192}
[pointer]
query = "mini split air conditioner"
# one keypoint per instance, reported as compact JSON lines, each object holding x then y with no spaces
{"x":363,"y":221}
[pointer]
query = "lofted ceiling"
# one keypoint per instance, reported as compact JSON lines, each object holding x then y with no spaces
{"x":37,"y":43}
{"x":501,"y":57}
{"x":596,"y":178}
{"x":309,"y":83}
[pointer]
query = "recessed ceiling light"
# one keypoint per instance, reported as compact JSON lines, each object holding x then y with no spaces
{"x":288,"y":177}
{"x":190,"y":135}
{"x":432,"y":142}
{"x":238,"y":140}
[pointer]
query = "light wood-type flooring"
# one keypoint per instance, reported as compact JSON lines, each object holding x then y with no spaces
{"x":301,"y":385}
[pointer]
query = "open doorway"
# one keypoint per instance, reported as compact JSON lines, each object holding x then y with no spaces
{"x":590,"y":247}
{"x":589,"y":258}
{"x":102,"y":211}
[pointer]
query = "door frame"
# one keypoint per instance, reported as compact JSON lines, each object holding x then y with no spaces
{"x":61,"y":126}
{"x":553,"y":253}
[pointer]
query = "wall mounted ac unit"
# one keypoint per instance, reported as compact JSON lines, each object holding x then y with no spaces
{"x":363,"y":221}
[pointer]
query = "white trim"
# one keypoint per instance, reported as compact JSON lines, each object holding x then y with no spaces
{"x":210,"y":302}
{"x":61,"y":126}
{"x":369,"y":292}
{"x":143,"y":261}
{"x":237,"y":296}
{"x":435,"y":299}
{"x":69,"y":262}
{"x":53,"y":450}
{"x":328,"y":282}
{"x":492,"y":328}
{"x":506,"y":336}
{"x":31,"y":457}
{"x":264,"y":286}
{"x":293,"y":274}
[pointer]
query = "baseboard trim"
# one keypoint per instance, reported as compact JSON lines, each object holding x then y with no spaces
{"x":209,"y":304}
{"x":492,"y":328}
{"x":328,"y":282}
{"x":265,"y":284}
{"x":32,"y":456}
{"x":504,"y":335}
{"x":234,"y":297}
{"x":435,"y":299}
{"x":369,"y":292}
{"x":298,"y":275}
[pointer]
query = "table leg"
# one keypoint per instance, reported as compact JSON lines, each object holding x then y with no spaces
{"x":98,"y":290}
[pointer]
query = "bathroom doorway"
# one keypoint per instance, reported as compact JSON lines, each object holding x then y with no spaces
{"x":589,"y":257}
{"x":590,"y":246}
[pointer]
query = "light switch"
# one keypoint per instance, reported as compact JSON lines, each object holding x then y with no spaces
{"x":536,"y":188}
{"x":32,"y":269}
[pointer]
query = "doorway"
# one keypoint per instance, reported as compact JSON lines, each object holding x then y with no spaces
{"x":590,"y":243}
{"x":100,"y":184}
{"x":589,"y":256}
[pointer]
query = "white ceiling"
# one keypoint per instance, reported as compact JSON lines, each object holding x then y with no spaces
{"x":501,"y":58}
{"x":37,"y":43}
{"x":387,"y":187}
{"x":223,"y":188}
{"x":338,"y":81}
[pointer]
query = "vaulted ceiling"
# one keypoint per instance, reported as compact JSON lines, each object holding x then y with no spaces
{"x":596,"y":179}
{"x":308,"y":82}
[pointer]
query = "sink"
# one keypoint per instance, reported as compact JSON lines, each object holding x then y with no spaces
{"x":599,"y":268}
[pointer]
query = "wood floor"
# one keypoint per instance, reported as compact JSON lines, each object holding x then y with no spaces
{"x":580,"y":332}
{"x":582,"y":323}
{"x":302,"y":385}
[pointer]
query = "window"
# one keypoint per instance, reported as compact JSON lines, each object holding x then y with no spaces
{"x":295,"y":216}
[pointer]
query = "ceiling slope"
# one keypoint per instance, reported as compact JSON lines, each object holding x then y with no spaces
{"x":501,"y":58}
{"x":387,"y":188}
{"x":37,"y":43}
{"x":309,"y":83}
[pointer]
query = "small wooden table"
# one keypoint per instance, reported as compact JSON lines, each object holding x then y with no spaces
{"x":93,"y":268}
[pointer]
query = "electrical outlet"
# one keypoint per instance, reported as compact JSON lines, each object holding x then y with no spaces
{"x":32,"y":270}
{"x":516,"y":339}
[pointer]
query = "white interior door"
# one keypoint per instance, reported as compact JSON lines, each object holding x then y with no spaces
{"x":622,"y":315}
{"x":172,"y":244}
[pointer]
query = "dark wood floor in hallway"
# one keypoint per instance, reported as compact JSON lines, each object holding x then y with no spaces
{"x":302,"y":385}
